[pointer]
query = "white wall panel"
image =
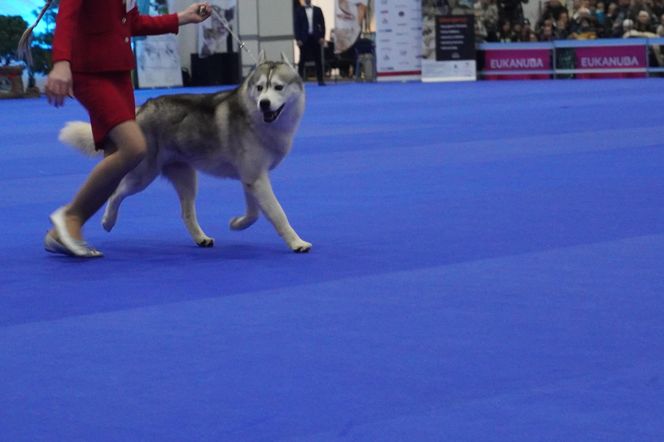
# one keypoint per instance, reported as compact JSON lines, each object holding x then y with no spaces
{"x":271,"y":29}
{"x":273,"y":49}
{"x":275,"y":18}
{"x":248,"y":15}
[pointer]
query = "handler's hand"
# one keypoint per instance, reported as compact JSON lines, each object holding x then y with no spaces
{"x":59,"y":84}
{"x":196,"y":13}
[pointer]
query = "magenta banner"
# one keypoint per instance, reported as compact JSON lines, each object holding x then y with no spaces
{"x":611,"y":58}
{"x":517,"y":60}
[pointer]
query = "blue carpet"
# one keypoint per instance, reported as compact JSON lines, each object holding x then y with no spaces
{"x":488,"y":265}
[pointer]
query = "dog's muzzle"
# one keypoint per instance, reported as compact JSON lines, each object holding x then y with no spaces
{"x":270,"y":116}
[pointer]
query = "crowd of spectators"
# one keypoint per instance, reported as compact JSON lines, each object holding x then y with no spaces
{"x":504,"y":21}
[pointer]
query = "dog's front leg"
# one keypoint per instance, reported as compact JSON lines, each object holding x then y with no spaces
{"x":261,"y":191}
{"x":243,"y":221}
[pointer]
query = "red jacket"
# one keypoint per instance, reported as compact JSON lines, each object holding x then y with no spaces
{"x":94,"y":35}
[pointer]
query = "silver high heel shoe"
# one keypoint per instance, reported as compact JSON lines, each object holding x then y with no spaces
{"x":66,"y":244}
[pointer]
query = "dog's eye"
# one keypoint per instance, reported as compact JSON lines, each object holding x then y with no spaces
{"x":260,"y":88}
{"x":279,"y":87}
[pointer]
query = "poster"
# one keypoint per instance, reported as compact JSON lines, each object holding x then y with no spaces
{"x":158,"y":61}
{"x":157,"y":57}
{"x":213,"y":37}
{"x":398,"y":40}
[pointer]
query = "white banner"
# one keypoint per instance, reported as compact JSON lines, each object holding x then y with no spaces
{"x":463,"y":70}
{"x":349,"y":17}
{"x":398,"y":40}
{"x":213,"y":37}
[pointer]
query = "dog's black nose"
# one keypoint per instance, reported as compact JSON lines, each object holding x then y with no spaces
{"x":265,"y":105}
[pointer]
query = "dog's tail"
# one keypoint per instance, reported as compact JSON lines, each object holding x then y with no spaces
{"x":78,"y":134}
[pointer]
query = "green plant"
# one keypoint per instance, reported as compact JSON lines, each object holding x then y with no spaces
{"x":42,"y":42}
{"x":11,"y":29}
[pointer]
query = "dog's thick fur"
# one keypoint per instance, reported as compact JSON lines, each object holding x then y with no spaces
{"x":241,"y":134}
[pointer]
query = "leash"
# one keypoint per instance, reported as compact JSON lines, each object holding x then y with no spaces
{"x":224,"y":22}
{"x":25,"y":42}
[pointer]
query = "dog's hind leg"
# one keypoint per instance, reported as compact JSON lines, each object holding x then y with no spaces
{"x":183,"y":177}
{"x":251,"y":215}
{"x":261,"y":191}
{"x":134,"y":182}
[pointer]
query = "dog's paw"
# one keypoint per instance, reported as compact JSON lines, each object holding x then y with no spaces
{"x":205,"y":241}
{"x":241,"y":222}
{"x":300,"y":246}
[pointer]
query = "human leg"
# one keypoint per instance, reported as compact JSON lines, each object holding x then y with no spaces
{"x":135,"y":181}
{"x":101,"y":183}
{"x":303,"y":59}
{"x":306,"y":54}
{"x":318,"y":60}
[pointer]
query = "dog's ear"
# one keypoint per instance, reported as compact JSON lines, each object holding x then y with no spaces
{"x":262,"y":58}
{"x":287,"y":61}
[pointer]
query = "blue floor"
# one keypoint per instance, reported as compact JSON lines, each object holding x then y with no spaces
{"x":488,"y":265}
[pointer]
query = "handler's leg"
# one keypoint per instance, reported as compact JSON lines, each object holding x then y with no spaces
{"x":105,"y":177}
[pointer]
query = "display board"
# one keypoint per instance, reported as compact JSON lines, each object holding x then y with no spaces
{"x":448,"y":48}
{"x":398,"y":40}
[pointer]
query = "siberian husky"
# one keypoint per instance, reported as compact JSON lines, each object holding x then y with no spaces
{"x":242,"y":134}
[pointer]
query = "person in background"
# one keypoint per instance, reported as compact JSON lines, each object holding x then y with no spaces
{"x":643,"y":29}
{"x":505,"y":34}
{"x":486,"y":18}
{"x":628,"y":29}
{"x":621,"y":14}
{"x":600,"y":15}
{"x":511,"y":10}
{"x":644,"y":23}
{"x":574,"y":9}
{"x":517,"y":28}
{"x":309,"y":32}
{"x":657,"y":50}
{"x":611,"y":15}
{"x":640,"y":29}
{"x":92,"y":60}
{"x":547,"y":31}
{"x":605,"y":20}
{"x":658,"y":8}
{"x":552,"y":9}
{"x":527,"y":32}
{"x":562,"y":29}
{"x":583,"y":27}
{"x":636,"y":6}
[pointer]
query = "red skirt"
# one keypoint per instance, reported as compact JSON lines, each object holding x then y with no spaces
{"x":109,"y":99}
